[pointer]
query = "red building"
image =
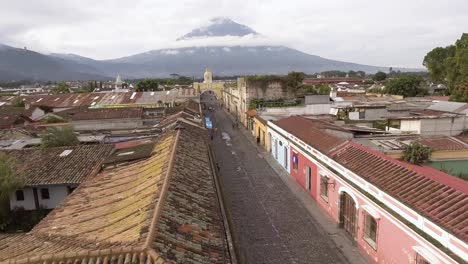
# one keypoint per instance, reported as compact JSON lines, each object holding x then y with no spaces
{"x":394,"y":211}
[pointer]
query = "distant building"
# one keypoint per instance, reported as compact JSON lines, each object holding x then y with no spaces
{"x":429,"y":123}
{"x":209,"y":85}
{"x":120,"y":85}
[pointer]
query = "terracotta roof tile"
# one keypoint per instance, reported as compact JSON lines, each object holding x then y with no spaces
{"x":189,"y":229}
{"x":439,"y":197}
{"x":443,"y":143}
{"x":77,"y":114}
{"x":311,"y":132}
{"x":160,"y":210}
{"x":49,"y":167}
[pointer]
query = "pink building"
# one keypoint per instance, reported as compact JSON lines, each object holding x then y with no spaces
{"x":395,"y":212}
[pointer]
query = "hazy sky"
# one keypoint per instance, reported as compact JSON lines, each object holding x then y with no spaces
{"x":384,"y":33}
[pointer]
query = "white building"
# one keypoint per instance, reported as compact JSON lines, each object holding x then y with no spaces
{"x":49,"y":176}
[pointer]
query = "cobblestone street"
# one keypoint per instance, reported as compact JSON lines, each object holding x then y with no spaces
{"x":269,"y":224}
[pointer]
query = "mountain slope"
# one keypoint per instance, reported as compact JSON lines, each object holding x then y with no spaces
{"x":25,"y":64}
{"x":229,"y":61}
{"x":219,"y":27}
{"x":190,"y":59}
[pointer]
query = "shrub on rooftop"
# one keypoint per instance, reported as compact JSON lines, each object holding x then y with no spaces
{"x":416,"y":153}
{"x":59,"y":136}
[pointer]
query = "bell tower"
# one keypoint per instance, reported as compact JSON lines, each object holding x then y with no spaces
{"x":208,"y":76}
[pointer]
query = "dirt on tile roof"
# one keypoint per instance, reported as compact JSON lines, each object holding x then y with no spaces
{"x":78,"y":114}
{"x":163,"y":209}
{"x":60,"y":165}
{"x":312,"y":132}
{"x":439,"y":197}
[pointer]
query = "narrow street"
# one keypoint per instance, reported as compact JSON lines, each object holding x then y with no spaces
{"x":269,"y":225}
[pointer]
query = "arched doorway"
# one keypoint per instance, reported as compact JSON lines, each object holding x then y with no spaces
{"x":348,"y":214}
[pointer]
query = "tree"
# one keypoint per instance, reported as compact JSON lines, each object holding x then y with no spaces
{"x":450,"y":65}
{"x":62,"y":87}
{"x":380,"y":76}
{"x":435,"y":61}
{"x":11,"y":177}
{"x":57,"y":137}
{"x":460,"y":93}
{"x":147,"y":85}
{"x":352,"y":74}
{"x":406,"y":85}
{"x":316,"y":89}
{"x":294,"y":80}
{"x":416,"y":153}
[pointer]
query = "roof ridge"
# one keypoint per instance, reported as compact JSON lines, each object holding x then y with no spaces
{"x":338,"y":149}
{"x":162,"y":196}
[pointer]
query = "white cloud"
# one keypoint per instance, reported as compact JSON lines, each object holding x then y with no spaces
{"x":390,"y":33}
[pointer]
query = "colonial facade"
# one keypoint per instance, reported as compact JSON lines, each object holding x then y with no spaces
{"x":395,"y":212}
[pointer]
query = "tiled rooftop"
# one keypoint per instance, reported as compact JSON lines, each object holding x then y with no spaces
{"x":443,"y":143}
{"x":55,"y":166}
{"x":105,"y":99}
{"x":311,"y":132}
{"x":163,"y":209}
{"x":436,"y":195}
{"x":77,"y":114}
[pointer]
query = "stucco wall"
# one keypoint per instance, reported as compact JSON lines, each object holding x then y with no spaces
{"x":443,"y":126}
{"x":57,"y":194}
{"x":410,"y":126}
{"x":260,"y":132}
{"x":280,"y":149}
{"x":273,"y":91}
{"x":27,"y":203}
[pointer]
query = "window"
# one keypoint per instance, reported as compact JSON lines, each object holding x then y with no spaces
{"x":295,"y":160}
{"x":420,"y":260}
{"x":324,"y":187}
{"x":370,"y":231}
{"x":19,"y":195}
{"x":362,"y":114}
{"x":308,"y":178}
{"x":45,"y":193}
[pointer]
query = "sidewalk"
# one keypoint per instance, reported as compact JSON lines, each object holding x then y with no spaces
{"x":338,"y":236}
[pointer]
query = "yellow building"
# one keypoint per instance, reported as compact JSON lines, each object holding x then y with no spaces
{"x":208,"y":85}
{"x":260,"y":131}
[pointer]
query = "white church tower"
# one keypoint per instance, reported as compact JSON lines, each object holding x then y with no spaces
{"x":208,"y":76}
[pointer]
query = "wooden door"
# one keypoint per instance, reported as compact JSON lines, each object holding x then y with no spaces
{"x":348,"y":214}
